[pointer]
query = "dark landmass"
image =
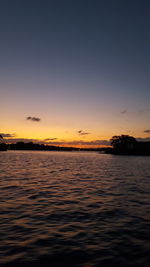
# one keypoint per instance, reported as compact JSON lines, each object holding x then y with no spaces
{"x":41,"y":147}
{"x":120,"y":145}
{"x":3,"y":147}
{"x":127,"y":145}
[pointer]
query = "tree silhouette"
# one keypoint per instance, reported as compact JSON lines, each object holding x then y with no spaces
{"x":3,"y":146}
{"x":123,"y":143}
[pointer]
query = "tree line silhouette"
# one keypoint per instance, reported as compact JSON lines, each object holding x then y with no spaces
{"x":128,"y":145}
{"x":42,"y":147}
{"x":120,"y":145}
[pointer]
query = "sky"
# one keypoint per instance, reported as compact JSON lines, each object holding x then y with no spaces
{"x":74,"y":72}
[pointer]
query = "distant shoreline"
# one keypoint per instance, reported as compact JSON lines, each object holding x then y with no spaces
{"x":120,"y":145}
{"x":41,"y":147}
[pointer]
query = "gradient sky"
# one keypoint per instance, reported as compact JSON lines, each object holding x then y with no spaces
{"x":81,"y":66}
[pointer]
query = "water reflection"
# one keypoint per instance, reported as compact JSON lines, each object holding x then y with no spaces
{"x":74,"y":209}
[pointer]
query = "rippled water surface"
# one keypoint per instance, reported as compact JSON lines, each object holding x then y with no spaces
{"x":74,"y":209}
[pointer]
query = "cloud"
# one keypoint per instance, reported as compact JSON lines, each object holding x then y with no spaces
{"x":146,"y":139}
{"x":25,"y":140}
{"x":147,"y":131}
{"x":125,"y":111}
{"x":143,"y":111}
{"x":138,"y":112}
{"x":7,"y":135}
{"x":81,"y":132}
{"x":36,"y":119}
{"x":50,"y":139}
{"x":15,"y":140}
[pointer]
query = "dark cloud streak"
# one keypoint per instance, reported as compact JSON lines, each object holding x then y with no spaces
{"x":81,"y":132}
{"x":140,"y":139}
{"x":50,"y":139}
{"x":147,"y":131}
{"x":125,"y":111}
{"x":7,"y":135}
{"x":35,"y":119}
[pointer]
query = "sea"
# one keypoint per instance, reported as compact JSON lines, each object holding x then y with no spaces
{"x":74,"y":209}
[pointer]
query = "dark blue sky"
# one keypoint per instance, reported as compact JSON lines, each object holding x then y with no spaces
{"x":82,"y":56}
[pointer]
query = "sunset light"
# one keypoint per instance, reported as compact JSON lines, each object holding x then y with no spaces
{"x":74,"y":133}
